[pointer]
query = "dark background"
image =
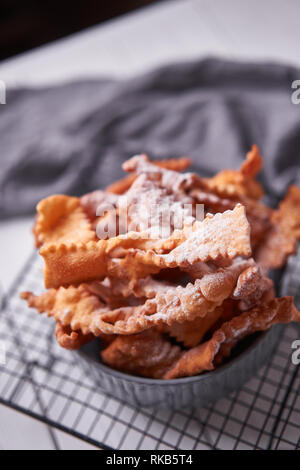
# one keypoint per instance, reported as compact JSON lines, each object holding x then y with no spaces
{"x":25,"y":24}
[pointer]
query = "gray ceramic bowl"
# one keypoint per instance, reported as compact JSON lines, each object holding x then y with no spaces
{"x":189,"y":391}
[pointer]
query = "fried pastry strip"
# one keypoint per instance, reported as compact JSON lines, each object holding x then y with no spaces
{"x":232,"y":184}
{"x":144,"y":288}
{"x":191,"y":333}
{"x":69,"y":339}
{"x":60,"y":219}
{"x":171,"y":180}
{"x":149,"y":206}
{"x":203,"y":357}
{"x":178,"y":304}
{"x":253,"y":287}
{"x":174,"y":164}
{"x":258,"y":214}
{"x":147,"y":354}
{"x":221,"y":237}
{"x":75,"y":308}
{"x":90,"y":202}
{"x":282,"y":239}
{"x":259,"y":218}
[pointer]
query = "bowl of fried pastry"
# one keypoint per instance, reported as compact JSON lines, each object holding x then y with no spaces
{"x":162,"y":282}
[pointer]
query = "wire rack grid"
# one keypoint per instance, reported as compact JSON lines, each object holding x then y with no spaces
{"x":46,"y":382}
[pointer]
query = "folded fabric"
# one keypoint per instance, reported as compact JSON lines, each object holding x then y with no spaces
{"x":72,"y":138}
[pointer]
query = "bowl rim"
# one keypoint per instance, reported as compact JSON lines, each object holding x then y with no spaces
{"x":146,"y":381}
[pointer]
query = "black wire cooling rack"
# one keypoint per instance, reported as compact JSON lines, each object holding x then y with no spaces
{"x":47,"y":383}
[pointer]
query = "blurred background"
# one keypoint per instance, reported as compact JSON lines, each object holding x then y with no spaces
{"x":46,"y":43}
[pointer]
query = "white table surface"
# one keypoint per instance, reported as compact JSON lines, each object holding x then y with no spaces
{"x":167,"y":32}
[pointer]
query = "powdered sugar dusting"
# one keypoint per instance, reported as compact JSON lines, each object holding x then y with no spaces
{"x":223,"y":235}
